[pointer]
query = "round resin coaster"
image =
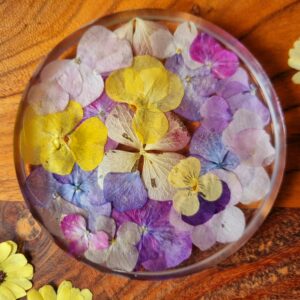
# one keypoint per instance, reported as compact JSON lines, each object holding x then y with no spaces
{"x":150,"y":144}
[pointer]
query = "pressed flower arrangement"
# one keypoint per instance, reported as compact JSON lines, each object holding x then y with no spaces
{"x":147,"y":148}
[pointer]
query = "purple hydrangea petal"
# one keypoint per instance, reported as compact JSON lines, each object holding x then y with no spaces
{"x":41,"y":187}
{"x":161,"y":245}
{"x":198,"y":85}
{"x":209,"y":208}
{"x":126,"y":191}
{"x":225,"y":63}
{"x":216,"y":114}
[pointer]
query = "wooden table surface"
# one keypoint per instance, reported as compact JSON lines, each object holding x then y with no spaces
{"x":268,"y":267}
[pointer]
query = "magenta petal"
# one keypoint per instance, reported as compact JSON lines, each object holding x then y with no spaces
{"x":126,"y":191}
{"x":74,"y":229}
{"x":226,"y":63}
{"x":216,"y":114}
{"x":98,"y":240}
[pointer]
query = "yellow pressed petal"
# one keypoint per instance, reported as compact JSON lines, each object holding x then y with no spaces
{"x":210,"y":187}
{"x":21,"y":282}
{"x":13,"y":262}
{"x":296,"y":78}
{"x":87,"y":295}
{"x":87,"y":143}
{"x":59,"y":160}
{"x":14,"y":288}
{"x":47,"y":292}
{"x":124,"y":85}
{"x":183,"y":174}
{"x":5,"y":251}
{"x":75,"y":294}
{"x":64,"y":290}
{"x":33,"y":294}
{"x":174,"y":95}
{"x":6,"y":294}
{"x":294,"y":62}
{"x":156,"y":84}
{"x":142,"y":62}
{"x":186,"y":202}
{"x":22,"y":272}
{"x":14,"y":247}
{"x":150,"y":126}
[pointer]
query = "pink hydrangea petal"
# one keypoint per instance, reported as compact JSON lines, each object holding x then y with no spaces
{"x":176,"y":220}
{"x":216,"y":114}
{"x":203,"y":236}
{"x":255,"y":183}
{"x":47,"y":98}
{"x":103,"y":51}
{"x":74,"y":229}
{"x":176,"y":138}
{"x":98,"y":240}
{"x":253,"y":147}
{"x":225,"y":63}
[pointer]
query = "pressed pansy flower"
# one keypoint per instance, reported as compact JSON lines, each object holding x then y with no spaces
{"x":161,"y":245}
{"x":246,"y":137}
{"x":294,"y":61}
{"x":55,"y":142}
{"x":185,"y":176}
{"x":152,"y":90}
{"x":239,"y":93}
{"x":65,"y":291}
{"x":207,"y":51}
{"x":125,"y":190}
{"x":15,"y":272}
{"x":199,"y":84}
{"x":79,"y":238}
{"x":156,"y":166}
{"x":99,"y":51}
{"x":122,"y":253}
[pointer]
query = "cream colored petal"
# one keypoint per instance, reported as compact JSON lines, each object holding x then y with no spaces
{"x":210,"y":187}
{"x":155,"y":174}
{"x":296,"y":78}
{"x":125,"y":31}
{"x":186,"y":202}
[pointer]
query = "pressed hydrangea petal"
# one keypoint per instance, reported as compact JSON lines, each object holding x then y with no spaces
{"x":150,"y":126}
{"x":129,"y":232}
{"x":117,"y":161}
{"x":253,"y":147}
{"x":181,"y":175}
{"x":42,"y":187}
{"x":176,"y":220}
{"x":100,"y":108}
{"x":155,"y":174}
{"x":204,"y":236}
{"x":47,"y":98}
{"x":98,"y":240}
{"x":209,"y":208}
{"x":162,"y":43}
{"x":233,"y":184}
{"x":175,"y":139}
{"x":255,"y":183}
{"x":216,"y":114}
{"x":103,"y":223}
{"x":210,"y":187}
{"x":119,"y":125}
{"x":125,"y":31}
{"x":125,"y":190}
{"x":145,"y":43}
{"x":231,"y":224}
{"x":186,"y":202}
{"x":74,"y":229}
{"x":103,"y":51}
{"x":226,"y":63}
{"x":87,"y":143}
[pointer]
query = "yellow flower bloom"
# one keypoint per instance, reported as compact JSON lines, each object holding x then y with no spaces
{"x":15,"y":272}
{"x":186,"y":177}
{"x":294,"y":61}
{"x":65,"y":292}
{"x":54,"y":141}
{"x":152,"y":90}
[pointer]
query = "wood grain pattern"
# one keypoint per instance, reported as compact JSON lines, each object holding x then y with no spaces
{"x":268,"y":266}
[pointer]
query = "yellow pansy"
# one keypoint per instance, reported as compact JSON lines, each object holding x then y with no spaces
{"x":294,"y":61}
{"x":15,"y":272}
{"x":65,"y":292}
{"x":185,"y":176}
{"x":54,"y":141}
{"x":152,"y":90}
